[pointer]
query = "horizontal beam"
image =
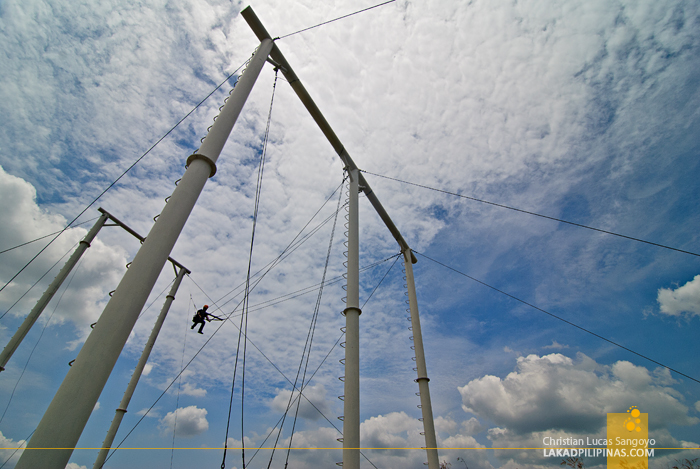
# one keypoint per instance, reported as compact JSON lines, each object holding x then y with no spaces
{"x":138,"y":236}
{"x":276,"y":56}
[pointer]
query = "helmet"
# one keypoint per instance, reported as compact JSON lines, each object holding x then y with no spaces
{"x":205,"y":306}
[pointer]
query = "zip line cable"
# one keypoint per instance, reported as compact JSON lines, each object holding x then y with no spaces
{"x":274,"y":264}
{"x":534,"y":213}
{"x":122,"y":175}
{"x":335,"y":19}
{"x":291,"y":247}
{"x":261,"y":353}
{"x":46,"y":324}
{"x":557,"y":317}
{"x":46,"y":236}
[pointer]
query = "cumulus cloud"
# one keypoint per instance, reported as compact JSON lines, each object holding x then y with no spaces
{"x":554,"y":392}
{"x":9,"y":451}
{"x":315,"y":394}
{"x":684,"y":299}
{"x":185,"y":421}
{"x":96,"y":274}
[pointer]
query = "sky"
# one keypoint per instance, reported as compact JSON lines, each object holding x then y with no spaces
{"x":585,"y":111}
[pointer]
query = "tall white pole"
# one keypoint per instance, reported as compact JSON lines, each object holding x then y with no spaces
{"x":426,"y":406}
{"x":131,"y":387}
{"x":50,"y":292}
{"x":351,"y":403}
{"x":64,"y":420}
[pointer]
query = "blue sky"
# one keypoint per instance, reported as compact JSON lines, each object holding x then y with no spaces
{"x":584,"y":111}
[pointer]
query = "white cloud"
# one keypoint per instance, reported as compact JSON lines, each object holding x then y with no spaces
{"x":72,"y":465}
{"x":554,"y":392}
{"x":91,"y":279}
{"x":8,"y":451}
{"x":315,"y":394}
{"x":186,"y":421}
{"x":684,"y":299}
{"x":555,"y":345}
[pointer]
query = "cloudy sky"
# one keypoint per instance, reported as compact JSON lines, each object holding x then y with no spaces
{"x":585,"y":110}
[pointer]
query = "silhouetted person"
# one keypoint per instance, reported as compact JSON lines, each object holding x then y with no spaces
{"x":201,"y":317}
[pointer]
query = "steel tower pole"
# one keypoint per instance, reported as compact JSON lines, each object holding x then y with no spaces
{"x":50,"y":292}
{"x":131,"y":387}
{"x":64,"y":420}
{"x":422,"y":380}
{"x":351,"y":403}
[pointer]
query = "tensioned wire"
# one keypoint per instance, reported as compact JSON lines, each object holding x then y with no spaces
{"x":39,"y":280}
{"x":555,"y":316}
{"x":300,"y":391}
{"x":255,"y":346}
{"x":335,"y":19}
{"x":270,"y":266}
{"x":45,"y":236}
{"x":580,"y":225}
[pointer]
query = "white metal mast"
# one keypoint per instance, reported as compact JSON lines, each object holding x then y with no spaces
{"x":131,"y":387}
{"x":64,"y":420}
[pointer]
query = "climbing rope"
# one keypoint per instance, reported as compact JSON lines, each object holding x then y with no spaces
{"x":306,"y":353}
{"x":243,"y":329}
{"x":314,"y":321}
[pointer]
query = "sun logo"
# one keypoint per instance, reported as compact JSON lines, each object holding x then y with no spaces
{"x":632,"y":423}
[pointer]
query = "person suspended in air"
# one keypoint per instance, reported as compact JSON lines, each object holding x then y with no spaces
{"x":201,"y":317}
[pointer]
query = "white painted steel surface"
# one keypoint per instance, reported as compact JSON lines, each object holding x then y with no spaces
{"x":351,"y":403}
{"x":423,"y":388}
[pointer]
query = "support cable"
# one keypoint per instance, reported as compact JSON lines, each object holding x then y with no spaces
{"x":222,"y":324}
{"x":557,"y":317}
{"x":46,"y":236}
{"x":309,"y":341}
{"x":145,"y":414}
{"x":46,"y":324}
{"x":291,"y":247}
{"x":335,"y":19}
{"x":122,"y":175}
{"x":246,"y":297}
{"x":39,"y":280}
{"x":534,"y":213}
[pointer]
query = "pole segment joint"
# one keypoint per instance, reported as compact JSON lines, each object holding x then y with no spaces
{"x":197,"y":156}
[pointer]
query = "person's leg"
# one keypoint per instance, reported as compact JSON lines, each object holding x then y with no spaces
{"x":201,"y":327}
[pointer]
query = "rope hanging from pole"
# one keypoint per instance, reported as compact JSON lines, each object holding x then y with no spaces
{"x":243,"y":329}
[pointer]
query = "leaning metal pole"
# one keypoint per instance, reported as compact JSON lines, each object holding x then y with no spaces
{"x":351,"y":402}
{"x":50,"y":292}
{"x":61,"y":426}
{"x":280,"y":61}
{"x":131,"y":387}
{"x":422,"y":380}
